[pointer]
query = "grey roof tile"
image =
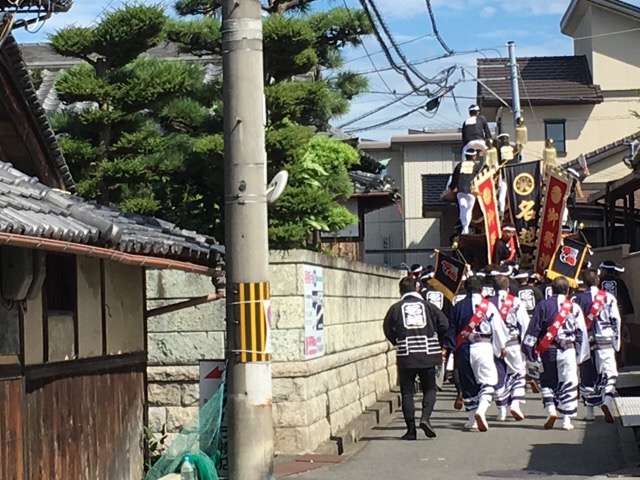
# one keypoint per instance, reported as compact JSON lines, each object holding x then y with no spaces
{"x":29,"y":208}
{"x":11,"y":52}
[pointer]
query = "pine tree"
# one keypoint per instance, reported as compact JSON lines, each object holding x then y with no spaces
{"x":300,"y":101}
{"x":138,"y":141}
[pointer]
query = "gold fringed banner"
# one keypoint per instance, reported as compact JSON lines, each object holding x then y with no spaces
{"x":557,"y":189}
{"x":485,"y":190}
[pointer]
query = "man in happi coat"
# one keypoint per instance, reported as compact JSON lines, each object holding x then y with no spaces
{"x":476,"y":335}
{"x":415,"y":328}
{"x":557,"y":337}
{"x":512,"y":368}
{"x":598,"y":374}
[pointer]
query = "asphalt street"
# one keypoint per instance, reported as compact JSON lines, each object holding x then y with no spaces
{"x":508,"y":450}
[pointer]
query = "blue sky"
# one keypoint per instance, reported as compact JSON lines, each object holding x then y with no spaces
{"x":464,"y":25}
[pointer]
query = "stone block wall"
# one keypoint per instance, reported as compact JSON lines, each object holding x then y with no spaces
{"x":313,"y":399}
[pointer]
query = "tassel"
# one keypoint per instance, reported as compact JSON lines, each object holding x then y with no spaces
{"x":549,"y":154}
{"x":522,"y":136}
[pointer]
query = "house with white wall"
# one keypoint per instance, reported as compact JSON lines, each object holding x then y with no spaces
{"x":421,"y":164}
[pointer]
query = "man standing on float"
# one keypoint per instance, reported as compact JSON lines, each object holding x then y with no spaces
{"x":461,"y":180}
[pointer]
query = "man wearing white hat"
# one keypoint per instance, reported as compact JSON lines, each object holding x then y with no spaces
{"x":504,"y":250}
{"x":461,"y":180}
{"x":475,"y":130}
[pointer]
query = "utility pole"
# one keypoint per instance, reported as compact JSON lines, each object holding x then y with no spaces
{"x":249,"y":409}
{"x":515,"y":106}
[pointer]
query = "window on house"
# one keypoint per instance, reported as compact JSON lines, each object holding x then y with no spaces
{"x":555,"y":129}
{"x":432,"y":187}
{"x":60,"y":308}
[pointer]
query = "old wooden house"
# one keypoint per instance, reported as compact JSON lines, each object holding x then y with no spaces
{"x":72,"y":305}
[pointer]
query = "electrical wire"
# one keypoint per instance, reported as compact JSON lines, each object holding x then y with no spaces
{"x":394,"y":44}
{"x":426,"y":35}
{"x":368,"y":55}
{"x":383,"y":46}
{"x":435,"y":29}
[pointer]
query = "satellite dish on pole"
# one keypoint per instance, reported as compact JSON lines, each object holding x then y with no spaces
{"x":277,"y":186}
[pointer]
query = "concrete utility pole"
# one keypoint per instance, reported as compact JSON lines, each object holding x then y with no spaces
{"x":247,"y":252}
{"x":517,"y":111}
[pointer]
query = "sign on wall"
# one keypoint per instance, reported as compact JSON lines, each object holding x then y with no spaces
{"x":313,"y":311}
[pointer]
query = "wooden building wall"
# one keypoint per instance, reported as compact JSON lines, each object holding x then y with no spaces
{"x":11,"y":433}
{"x":83,"y":425}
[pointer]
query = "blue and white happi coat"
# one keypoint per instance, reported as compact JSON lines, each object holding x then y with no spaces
{"x":512,"y":368}
{"x":475,"y":357}
{"x":559,"y":362}
{"x":599,"y":373}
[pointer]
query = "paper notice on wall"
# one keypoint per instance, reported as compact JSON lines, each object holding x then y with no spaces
{"x":313,"y":311}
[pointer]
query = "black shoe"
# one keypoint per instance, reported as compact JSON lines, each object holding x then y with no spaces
{"x":410,"y":435}
{"x":428,"y":430}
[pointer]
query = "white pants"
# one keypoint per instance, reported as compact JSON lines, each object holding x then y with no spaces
{"x":559,"y":388}
{"x":478,"y":144}
{"x":466,"y":202}
{"x":502,"y":196}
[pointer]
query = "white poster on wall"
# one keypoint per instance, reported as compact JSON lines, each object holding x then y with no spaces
{"x":313,"y":311}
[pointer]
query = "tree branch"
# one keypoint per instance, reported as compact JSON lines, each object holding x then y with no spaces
{"x":281,"y":6}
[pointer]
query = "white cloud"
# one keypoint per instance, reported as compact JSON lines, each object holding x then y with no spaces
{"x":487,"y":11}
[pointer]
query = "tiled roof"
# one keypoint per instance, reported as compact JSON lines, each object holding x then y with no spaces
{"x":28,"y":207}
{"x":40,"y":55}
{"x":432,"y":187}
{"x":544,"y":81}
{"x":11,"y":52}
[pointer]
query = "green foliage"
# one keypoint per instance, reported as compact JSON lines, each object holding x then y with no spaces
{"x":154,"y":142}
{"x":147,"y":147}
{"x":153,"y":446}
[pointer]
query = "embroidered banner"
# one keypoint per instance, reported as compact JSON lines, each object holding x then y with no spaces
{"x":447,"y":276}
{"x":558,"y":187}
{"x":567,"y":261}
{"x":523,"y":194}
{"x":485,"y":190}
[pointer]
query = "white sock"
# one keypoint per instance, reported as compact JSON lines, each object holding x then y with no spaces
{"x":566,"y":420}
{"x":482,"y":407}
{"x":590,"y":412}
{"x":515,"y":405}
{"x":551,"y":410}
{"x":471,"y":417}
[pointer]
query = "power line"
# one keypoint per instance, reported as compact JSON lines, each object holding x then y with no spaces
{"x":435,"y":29}
{"x":365,"y":48}
{"x":426,"y":35}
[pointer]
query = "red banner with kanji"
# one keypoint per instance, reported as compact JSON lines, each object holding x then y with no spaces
{"x":558,"y":187}
{"x":485,"y":191}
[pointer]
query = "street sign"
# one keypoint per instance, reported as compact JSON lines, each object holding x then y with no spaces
{"x":210,"y":378}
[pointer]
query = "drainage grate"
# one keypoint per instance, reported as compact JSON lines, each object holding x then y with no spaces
{"x":516,"y":474}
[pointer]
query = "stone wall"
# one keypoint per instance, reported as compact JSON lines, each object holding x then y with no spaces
{"x":313,"y":399}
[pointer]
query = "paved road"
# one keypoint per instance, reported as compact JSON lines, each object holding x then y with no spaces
{"x":589,"y":450}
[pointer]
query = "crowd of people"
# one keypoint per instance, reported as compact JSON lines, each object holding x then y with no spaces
{"x":504,"y":330}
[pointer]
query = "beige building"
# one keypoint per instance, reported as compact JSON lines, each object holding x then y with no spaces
{"x":421,"y":165}
{"x":584,"y":101}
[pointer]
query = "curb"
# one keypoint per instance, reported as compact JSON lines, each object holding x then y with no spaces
{"x":377,"y":414}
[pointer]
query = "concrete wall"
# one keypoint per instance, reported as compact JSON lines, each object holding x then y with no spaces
{"x":313,"y":399}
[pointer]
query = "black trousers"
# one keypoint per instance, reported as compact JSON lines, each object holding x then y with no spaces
{"x":407,"y":379}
